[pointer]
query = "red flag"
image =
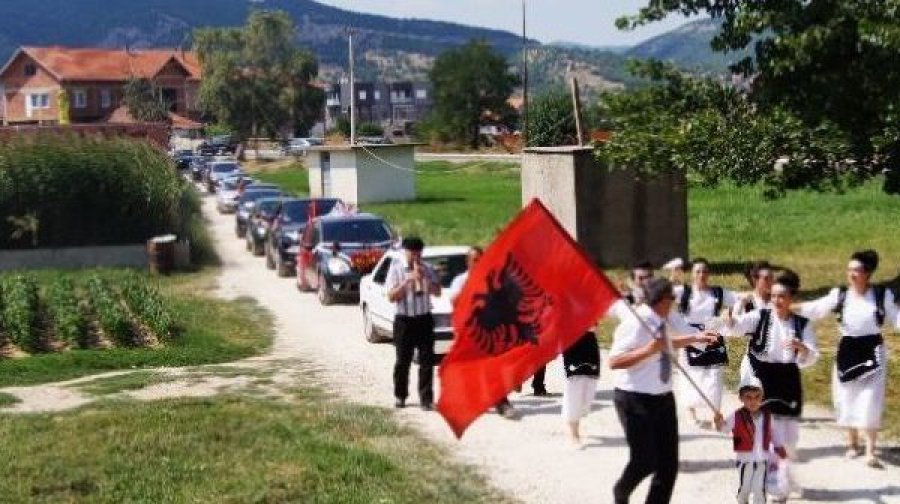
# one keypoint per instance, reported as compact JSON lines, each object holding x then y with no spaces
{"x":531,"y":295}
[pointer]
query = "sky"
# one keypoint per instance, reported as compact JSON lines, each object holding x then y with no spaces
{"x":589,"y":22}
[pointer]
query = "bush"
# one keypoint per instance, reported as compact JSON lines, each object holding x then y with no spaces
{"x":369,"y":130}
{"x":65,"y":190}
{"x":109,"y":311}
{"x":551,"y":121}
{"x":20,"y":311}
{"x":148,"y":305}
{"x":65,"y":313}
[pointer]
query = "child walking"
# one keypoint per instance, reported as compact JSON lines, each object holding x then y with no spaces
{"x":754,"y":441}
{"x":582,"y":366}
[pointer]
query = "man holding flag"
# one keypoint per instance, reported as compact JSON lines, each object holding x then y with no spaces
{"x":642,"y":352}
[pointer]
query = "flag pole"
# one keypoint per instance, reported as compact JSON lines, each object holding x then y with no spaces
{"x":674,"y":360}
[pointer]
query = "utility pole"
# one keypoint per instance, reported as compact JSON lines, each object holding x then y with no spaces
{"x":576,"y":110}
{"x":524,"y":81}
{"x":352,"y":91}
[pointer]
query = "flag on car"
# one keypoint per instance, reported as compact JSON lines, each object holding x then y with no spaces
{"x":532,"y":294}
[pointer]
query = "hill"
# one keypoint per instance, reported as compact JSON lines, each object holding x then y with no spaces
{"x":688,"y":46}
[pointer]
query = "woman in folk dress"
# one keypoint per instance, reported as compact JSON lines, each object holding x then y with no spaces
{"x":859,"y":376}
{"x":698,"y":304}
{"x":760,"y":276}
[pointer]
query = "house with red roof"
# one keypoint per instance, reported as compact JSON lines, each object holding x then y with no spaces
{"x":38,"y":83}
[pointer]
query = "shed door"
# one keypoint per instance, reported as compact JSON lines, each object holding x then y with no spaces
{"x":325,"y":167}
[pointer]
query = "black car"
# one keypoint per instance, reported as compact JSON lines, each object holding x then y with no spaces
{"x":183,"y":159}
{"x":332,"y":249}
{"x":198,"y":167}
{"x":260,"y":222}
{"x":284,"y":234}
{"x":245,"y":205}
{"x":218,"y":145}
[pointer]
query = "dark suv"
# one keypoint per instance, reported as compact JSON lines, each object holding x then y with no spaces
{"x":337,"y":250}
{"x":290,"y":220}
{"x":247,"y":202}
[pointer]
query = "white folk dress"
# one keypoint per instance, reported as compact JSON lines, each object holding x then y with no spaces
{"x":859,"y":403}
{"x":701,"y":310}
{"x":781,"y":333}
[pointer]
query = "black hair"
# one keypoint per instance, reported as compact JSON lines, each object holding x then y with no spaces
{"x":642,"y":265}
{"x":413,"y":243}
{"x":700,"y":260}
{"x":868,"y":258}
{"x":753,"y":270}
{"x":789,"y":280}
{"x":476,"y":248}
{"x":748,"y":388}
{"x":657,"y":290}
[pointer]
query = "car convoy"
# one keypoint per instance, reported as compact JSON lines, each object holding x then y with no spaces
{"x":327,"y":246}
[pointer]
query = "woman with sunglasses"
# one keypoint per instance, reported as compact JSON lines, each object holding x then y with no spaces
{"x":781,"y":344}
{"x":859,"y":376}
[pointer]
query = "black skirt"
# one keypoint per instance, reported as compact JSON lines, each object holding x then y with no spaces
{"x":583,"y":357}
{"x":781,"y":385}
{"x":856,"y":357}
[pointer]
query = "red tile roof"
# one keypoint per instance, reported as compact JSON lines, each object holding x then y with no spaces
{"x":77,"y":64}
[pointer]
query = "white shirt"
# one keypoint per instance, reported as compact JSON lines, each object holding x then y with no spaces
{"x":412,"y":304}
{"x":702,"y":305}
{"x":740,"y":307}
{"x":859,"y":311}
{"x":456,"y":286}
{"x":758,"y":453}
{"x":643,"y":376}
{"x":781,"y":333}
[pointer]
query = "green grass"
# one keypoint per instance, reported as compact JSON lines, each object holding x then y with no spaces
{"x":213,"y":331}
{"x":122,"y":383}
{"x":7,"y":399}
{"x":227,"y":449}
{"x":292,"y":177}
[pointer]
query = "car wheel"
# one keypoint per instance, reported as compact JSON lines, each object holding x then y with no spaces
{"x":270,"y":263}
{"x":239,"y":231}
{"x":257,"y":249}
{"x":371,"y":332}
{"x":326,"y":297}
{"x":283,"y":269}
{"x":248,"y":242}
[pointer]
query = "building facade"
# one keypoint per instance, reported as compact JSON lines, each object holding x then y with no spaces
{"x":390,"y":104}
{"x":49,"y":85}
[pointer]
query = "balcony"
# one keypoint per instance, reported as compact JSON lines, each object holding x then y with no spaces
{"x":333,"y":102}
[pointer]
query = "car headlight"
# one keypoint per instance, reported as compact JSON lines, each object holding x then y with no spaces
{"x":337,"y":266}
{"x":292,"y":236}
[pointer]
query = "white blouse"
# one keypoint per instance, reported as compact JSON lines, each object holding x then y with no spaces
{"x":781,"y":333}
{"x":702,"y":305}
{"x":859,"y":311}
{"x":740,"y":307}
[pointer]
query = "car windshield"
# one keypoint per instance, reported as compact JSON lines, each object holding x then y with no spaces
{"x":447,"y":267}
{"x":356,"y":231}
{"x":229,"y":185}
{"x":224,"y":167}
{"x":299,"y":211}
{"x":184,"y":153}
{"x":267,"y":206}
{"x":257,"y":195}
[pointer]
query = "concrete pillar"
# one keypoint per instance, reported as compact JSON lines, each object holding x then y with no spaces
{"x":617,"y":217}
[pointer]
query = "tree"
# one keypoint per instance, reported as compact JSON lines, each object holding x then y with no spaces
{"x":551,"y":121}
{"x":145,"y":101}
{"x":713,"y":132}
{"x":469,"y":82}
{"x":831,"y":64}
{"x":255,"y":79}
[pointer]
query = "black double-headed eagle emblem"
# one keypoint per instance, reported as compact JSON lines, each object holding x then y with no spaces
{"x":510,"y":312}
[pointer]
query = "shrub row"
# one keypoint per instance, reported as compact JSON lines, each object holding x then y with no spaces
{"x":59,"y":191}
{"x":20,"y":311}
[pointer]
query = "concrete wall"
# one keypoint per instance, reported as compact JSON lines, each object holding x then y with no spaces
{"x":359,"y":177}
{"x":75,"y":257}
{"x":616,"y":217}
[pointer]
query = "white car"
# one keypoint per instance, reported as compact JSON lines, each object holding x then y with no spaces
{"x":228,"y":194}
{"x":378,"y":312}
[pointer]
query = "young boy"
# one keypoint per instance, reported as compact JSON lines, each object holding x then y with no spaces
{"x":754,"y":440}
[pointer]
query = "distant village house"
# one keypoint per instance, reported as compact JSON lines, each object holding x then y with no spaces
{"x":391,"y":104}
{"x":37,"y":81}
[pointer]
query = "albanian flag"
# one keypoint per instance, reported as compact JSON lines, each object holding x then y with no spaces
{"x":532,"y":294}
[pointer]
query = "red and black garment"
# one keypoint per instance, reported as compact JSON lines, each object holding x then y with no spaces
{"x":744,"y":431}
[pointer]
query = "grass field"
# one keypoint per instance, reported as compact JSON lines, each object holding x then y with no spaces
{"x":812,"y":233}
{"x":7,"y":399}
{"x":214,"y":331}
{"x":227,"y":449}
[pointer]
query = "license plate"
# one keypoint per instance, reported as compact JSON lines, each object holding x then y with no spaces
{"x":292,"y":250}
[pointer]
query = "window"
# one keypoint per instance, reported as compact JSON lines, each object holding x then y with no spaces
{"x":105,"y":98}
{"x":79,"y":98}
{"x":30,"y":69}
{"x":362,"y":95}
{"x":40,"y":101}
{"x":381,"y":274}
{"x":421,"y":94}
{"x":377,"y":95}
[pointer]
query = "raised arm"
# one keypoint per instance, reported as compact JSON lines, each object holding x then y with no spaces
{"x":820,"y":308}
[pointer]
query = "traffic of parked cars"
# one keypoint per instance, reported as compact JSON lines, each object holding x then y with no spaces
{"x":328,"y":247}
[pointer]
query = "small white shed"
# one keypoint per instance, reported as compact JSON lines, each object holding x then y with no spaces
{"x":362,"y":173}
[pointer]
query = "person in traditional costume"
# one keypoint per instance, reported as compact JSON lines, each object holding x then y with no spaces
{"x":862,"y":309}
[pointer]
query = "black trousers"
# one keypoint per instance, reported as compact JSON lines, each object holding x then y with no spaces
{"x":537,"y":382}
{"x":411,"y":334}
{"x":651,"y":429}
